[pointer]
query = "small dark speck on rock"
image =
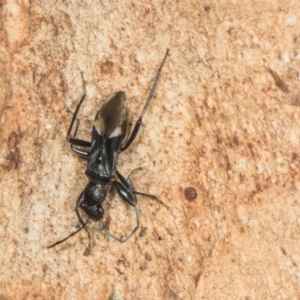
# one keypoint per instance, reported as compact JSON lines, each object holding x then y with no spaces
{"x":190,"y":193}
{"x":87,"y":251}
{"x":143,"y":232}
{"x":148,"y":256}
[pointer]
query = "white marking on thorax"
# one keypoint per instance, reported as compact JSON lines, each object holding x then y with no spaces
{"x":116,"y":132}
{"x":97,"y":127}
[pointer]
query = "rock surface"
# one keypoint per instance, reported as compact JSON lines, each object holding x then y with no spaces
{"x":219,"y":145}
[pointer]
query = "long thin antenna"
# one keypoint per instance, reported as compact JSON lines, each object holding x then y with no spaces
{"x":154,"y":85}
{"x":73,"y":233}
{"x":139,"y":122}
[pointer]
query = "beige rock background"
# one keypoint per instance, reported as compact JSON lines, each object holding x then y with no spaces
{"x":225,"y":121}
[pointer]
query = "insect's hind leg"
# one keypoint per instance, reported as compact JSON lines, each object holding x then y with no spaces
{"x":126,"y":194}
{"x":132,"y":232}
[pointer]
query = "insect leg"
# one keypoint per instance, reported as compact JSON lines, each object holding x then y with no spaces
{"x":66,"y":238}
{"x":139,"y":121}
{"x":151,"y":196}
{"x":80,"y":199}
{"x":72,"y":139}
{"x":130,"y":198}
{"x":83,"y":226}
{"x":79,"y":143}
{"x":132,"y":232}
{"x":128,"y":184}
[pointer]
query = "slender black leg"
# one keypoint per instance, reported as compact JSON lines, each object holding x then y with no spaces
{"x":127,"y":181}
{"x":125,"y":192}
{"x":72,"y":139}
{"x":80,"y":199}
{"x":73,"y":233}
{"x":129,"y":186}
{"x":79,"y":143}
{"x":153,"y":197}
{"x":132,"y":232}
{"x":130,"y":198}
{"x":80,"y":152}
{"x":139,"y":122}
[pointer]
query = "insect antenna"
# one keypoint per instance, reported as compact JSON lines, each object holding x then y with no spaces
{"x":73,"y":233}
{"x":154,"y":85}
{"x":139,"y":122}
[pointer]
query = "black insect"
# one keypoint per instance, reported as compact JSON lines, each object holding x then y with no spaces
{"x":109,"y":138}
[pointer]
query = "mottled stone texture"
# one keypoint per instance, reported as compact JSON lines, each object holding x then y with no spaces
{"x":224,"y":124}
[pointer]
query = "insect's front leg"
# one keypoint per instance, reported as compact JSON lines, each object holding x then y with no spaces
{"x":79,"y":142}
{"x":72,"y":139}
